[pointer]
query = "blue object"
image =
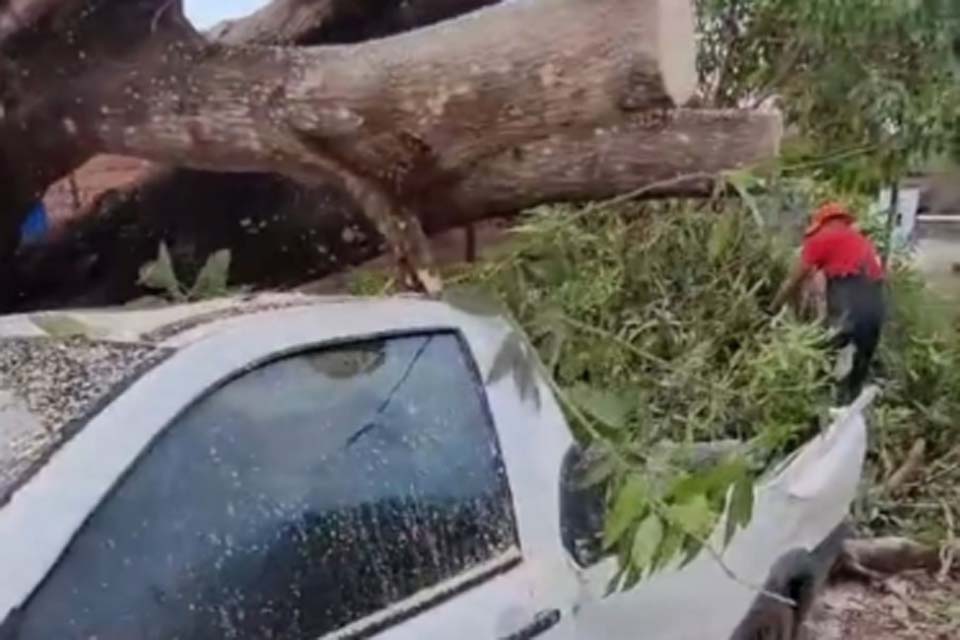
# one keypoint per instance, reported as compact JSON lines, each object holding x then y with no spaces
{"x":36,"y":225}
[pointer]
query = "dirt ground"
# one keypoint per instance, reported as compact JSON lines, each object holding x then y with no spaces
{"x":908,"y":607}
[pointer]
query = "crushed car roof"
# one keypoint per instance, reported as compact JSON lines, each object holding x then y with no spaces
{"x":57,"y":369}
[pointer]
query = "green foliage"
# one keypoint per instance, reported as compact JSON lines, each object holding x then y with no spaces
{"x":650,"y":321}
{"x":64,"y":326}
{"x":211,"y":281}
{"x":920,"y":369}
{"x":160,"y":276}
{"x":871,"y":84}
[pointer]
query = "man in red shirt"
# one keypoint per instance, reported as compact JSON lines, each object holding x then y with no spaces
{"x":855,"y":299}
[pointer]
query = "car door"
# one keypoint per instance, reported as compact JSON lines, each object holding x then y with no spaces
{"x":356,"y":490}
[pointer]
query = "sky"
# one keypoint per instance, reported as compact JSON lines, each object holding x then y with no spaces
{"x":206,"y":13}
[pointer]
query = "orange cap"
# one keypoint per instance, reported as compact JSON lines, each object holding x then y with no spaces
{"x":826,"y":213}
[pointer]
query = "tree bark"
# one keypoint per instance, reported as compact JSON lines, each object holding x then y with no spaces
{"x":283,"y":233}
{"x":408,"y":111}
{"x":453,"y":130}
{"x":54,"y":66}
{"x":674,"y":153}
{"x":389,"y":118}
{"x":55,"y":58}
{"x":36,"y":63}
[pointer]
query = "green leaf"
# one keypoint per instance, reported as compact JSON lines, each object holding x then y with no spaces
{"x":691,"y":549}
{"x":646,"y":542}
{"x":516,"y":358}
{"x":473,"y":301}
{"x":721,"y":237}
{"x":525,"y":377}
{"x":610,"y":408}
{"x":713,"y":481}
{"x":159,"y":275}
{"x":63,"y":326}
{"x":630,"y":502}
{"x":616,"y":581}
{"x":741,"y":501}
{"x":741,"y":181}
{"x":508,"y":356}
{"x":672,"y":545}
{"x":632,"y":577}
{"x":597,"y":472}
{"x":213,"y":278}
{"x":694,"y":517}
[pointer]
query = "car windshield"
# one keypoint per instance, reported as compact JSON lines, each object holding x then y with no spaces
{"x":302,"y":496}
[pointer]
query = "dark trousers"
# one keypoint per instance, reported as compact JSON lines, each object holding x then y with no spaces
{"x":856,"y":310}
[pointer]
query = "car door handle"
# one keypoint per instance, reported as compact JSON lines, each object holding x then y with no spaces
{"x":544,"y":621}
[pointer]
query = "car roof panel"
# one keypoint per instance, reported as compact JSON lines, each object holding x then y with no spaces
{"x":58,"y":369}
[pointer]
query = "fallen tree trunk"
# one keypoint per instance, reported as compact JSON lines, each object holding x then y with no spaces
{"x":878,"y":558}
{"x":79,"y":258}
{"x":55,"y":57}
{"x":454,"y":156}
{"x":674,"y":153}
{"x":55,"y":60}
{"x":389,"y":119}
{"x":282,"y":233}
{"x":410,"y":111}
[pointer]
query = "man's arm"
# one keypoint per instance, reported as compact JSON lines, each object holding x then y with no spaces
{"x":798,"y":274}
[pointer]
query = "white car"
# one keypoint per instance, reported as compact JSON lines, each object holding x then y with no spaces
{"x":294,"y":467}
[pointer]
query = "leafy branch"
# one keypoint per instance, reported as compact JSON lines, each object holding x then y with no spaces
{"x":211,"y":281}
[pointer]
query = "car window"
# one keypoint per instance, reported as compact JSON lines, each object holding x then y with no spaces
{"x":300,"y":497}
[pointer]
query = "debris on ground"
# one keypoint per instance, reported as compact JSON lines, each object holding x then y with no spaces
{"x":910,"y":606}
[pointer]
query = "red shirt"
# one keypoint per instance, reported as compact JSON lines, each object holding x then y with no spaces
{"x":840,"y":250}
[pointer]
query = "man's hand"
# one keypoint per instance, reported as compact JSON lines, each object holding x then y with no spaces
{"x":797,"y":275}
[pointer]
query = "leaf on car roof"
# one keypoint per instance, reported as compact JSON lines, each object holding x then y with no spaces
{"x":64,"y":326}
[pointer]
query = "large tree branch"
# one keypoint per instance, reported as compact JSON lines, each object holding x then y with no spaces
{"x":59,"y":44}
{"x":412,"y":109}
{"x":52,"y":72}
{"x":603,"y":163}
{"x":457,"y":137}
{"x":395,"y":117}
{"x":282,"y":233}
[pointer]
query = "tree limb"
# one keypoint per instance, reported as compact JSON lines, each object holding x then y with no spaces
{"x":409,"y":110}
{"x":283,"y":233}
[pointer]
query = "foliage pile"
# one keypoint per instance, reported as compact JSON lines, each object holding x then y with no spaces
{"x":919,"y":411}
{"x":652,"y":323}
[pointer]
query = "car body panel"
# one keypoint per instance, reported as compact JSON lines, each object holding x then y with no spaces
{"x":207,"y":344}
{"x":795,"y":509}
{"x":60,"y":496}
